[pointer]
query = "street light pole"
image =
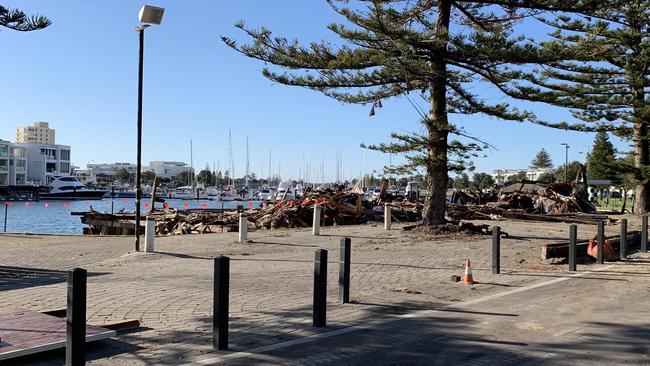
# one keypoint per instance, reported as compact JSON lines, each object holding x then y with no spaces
{"x":566,"y":162}
{"x":148,"y":15}
{"x":138,"y":172}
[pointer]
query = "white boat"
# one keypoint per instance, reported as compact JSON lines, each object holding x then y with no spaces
{"x":183,"y":193}
{"x":284,"y":191}
{"x":69,"y":188}
{"x":264,"y":194}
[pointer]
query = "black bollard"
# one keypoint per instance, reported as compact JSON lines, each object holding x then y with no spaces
{"x":496,"y":250}
{"x":320,"y":287}
{"x":220,"y":302}
{"x":6,"y":211}
{"x":75,"y":352}
{"x":344,"y":271}
{"x":600,"y":242}
{"x":623,"y":247}
{"x":573,"y":237}
{"x":644,"y":233}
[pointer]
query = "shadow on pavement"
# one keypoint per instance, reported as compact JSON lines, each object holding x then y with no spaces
{"x":13,"y":278}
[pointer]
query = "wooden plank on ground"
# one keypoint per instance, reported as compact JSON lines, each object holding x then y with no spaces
{"x":26,"y":332}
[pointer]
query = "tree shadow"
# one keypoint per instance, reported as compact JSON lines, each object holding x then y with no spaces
{"x":13,"y":278}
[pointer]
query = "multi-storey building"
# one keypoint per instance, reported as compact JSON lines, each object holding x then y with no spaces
{"x":39,"y":133}
{"x":168,"y":169}
{"x":13,"y":164}
{"x":45,"y":161}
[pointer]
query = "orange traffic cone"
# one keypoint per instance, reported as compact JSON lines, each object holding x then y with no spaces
{"x":467,"y":278}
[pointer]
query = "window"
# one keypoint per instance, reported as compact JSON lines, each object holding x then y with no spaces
{"x":4,"y":164}
{"x":4,"y":150}
{"x":65,"y":154}
{"x":50,"y":167}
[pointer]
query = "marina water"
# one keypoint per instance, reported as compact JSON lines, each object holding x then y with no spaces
{"x":54,"y":217}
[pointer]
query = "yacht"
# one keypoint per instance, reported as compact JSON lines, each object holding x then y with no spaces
{"x":184,"y":193}
{"x":69,"y":188}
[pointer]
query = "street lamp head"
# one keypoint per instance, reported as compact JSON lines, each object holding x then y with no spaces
{"x":151,"y":14}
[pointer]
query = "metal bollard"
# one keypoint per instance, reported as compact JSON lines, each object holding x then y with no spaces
{"x":220,"y":302}
{"x":316,"y":224}
{"x":601,"y":242}
{"x":496,"y":250}
{"x":644,"y":233}
{"x":6,"y":212}
{"x":387,"y":217}
{"x":344,"y":271}
{"x":75,"y":352}
{"x":150,"y":235}
{"x":623,"y":244}
{"x":573,"y":238}
{"x":320,"y":288}
{"x":243,"y":227}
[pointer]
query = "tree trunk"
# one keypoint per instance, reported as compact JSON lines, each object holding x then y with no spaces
{"x":437,"y":124}
{"x":636,"y":75}
{"x":641,"y":157}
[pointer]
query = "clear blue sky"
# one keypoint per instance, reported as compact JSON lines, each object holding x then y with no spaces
{"x":80,"y":75}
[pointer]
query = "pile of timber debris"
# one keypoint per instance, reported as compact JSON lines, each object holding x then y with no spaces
{"x":338,"y":207}
{"x":559,"y":202}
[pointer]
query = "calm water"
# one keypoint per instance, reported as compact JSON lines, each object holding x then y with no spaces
{"x":53,"y":217}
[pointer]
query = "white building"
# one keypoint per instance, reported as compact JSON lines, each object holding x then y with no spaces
{"x":45,"y":161}
{"x":39,"y":133}
{"x":502,"y":175}
{"x":168,"y":169}
{"x":13,"y":164}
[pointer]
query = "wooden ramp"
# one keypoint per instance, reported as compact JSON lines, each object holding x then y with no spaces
{"x":25,"y":332}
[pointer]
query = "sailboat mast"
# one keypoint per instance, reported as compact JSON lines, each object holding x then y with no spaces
{"x":248,"y":172}
{"x":190,"y":177}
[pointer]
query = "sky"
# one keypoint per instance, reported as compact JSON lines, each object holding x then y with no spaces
{"x":80,"y":75}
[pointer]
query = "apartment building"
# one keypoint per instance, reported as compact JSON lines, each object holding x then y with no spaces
{"x":38,"y":133}
{"x":45,"y":161}
{"x":13,"y":164}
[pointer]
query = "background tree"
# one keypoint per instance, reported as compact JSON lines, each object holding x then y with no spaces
{"x":546,"y":178}
{"x":204,"y":177}
{"x":571,"y":172}
{"x":521,"y":176}
{"x":482,"y":181}
{"x":601,"y":161}
{"x":542,"y":160}
{"x":182,"y":179}
{"x":607,"y":85}
{"x":147,"y":177}
{"x":19,"y":21}
{"x":122,"y":175}
{"x":461,"y":181}
{"x":439,"y":49}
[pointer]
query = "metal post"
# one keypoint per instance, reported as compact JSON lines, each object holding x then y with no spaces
{"x":601,"y":242}
{"x":6,"y":212}
{"x":644,"y":233}
{"x":320,"y":288}
{"x":573,"y":238}
{"x":150,"y":234}
{"x":221,"y":302}
{"x":496,"y":250}
{"x":623,"y":243}
{"x":138,"y":173}
{"x":387,"y":217}
{"x":316,"y":223}
{"x":344,"y":271}
{"x":243,"y":227}
{"x":75,"y":353}
{"x":112,"y":200}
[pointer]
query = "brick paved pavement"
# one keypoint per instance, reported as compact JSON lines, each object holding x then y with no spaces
{"x":271,"y":281}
